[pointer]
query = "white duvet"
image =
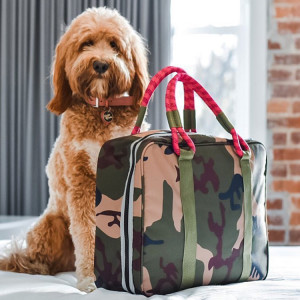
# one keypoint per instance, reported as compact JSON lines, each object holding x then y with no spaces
{"x":283,"y":282}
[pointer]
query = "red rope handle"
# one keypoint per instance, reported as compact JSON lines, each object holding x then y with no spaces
{"x":171,"y":106}
{"x":239,"y":143}
{"x":175,"y":141}
{"x":156,"y":80}
{"x":194,"y":86}
{"x":189,"y":101}
{"x":153,"y":84}
{"x":135,"y":130}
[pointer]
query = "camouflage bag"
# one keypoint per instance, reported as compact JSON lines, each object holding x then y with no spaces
{"x":175,"y":209}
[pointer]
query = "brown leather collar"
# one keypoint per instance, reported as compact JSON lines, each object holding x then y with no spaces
{"x":120,"y":101}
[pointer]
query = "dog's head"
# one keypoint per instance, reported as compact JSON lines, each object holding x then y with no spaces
{"x":100,"y":55}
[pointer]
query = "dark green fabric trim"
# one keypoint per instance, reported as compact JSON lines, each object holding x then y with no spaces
{"x":246,"y":172}
{"x":186,"y":119}
{"x":141,"y":116}
{"x":174,"y":118}
{"x":189,"y":119}
{"x":193,"y":119}
{"x":189,"y":216}
{"x":222,"y":119}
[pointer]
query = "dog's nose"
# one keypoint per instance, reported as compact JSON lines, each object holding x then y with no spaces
{"x":100,"y":67}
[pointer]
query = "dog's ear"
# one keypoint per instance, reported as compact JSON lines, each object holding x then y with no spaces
{"x":141,"y":77}
{"x":62,"y":92}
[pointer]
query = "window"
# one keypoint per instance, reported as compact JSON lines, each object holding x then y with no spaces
{"x":212,"y":41}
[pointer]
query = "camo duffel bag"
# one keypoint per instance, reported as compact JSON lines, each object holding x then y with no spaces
{"x":177,"y":209}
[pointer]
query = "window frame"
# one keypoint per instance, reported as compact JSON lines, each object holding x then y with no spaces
{"x":251,"y":75}
{"x":258,"y":70}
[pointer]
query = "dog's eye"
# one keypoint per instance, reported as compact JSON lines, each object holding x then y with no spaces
{"x":113,"y":45}
{"x":88,"y":43}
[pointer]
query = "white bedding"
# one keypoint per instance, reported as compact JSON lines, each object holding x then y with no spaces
{"x":283,"y":282}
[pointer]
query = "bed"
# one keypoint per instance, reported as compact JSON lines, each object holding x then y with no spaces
{"x":283,"y":281}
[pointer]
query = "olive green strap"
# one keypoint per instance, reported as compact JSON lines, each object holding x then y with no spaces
{"x":189,"y":119}
{"x":141,"y":116}
{"x":246,"y":172}
{"x":193,"y":119}
{"x":189,"y":216}
{"x":174,"y":119}
{"x":223,"y":120}
{"x":186,"y":119}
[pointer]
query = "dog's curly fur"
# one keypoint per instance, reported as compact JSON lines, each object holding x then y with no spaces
{"x":64,"y":234}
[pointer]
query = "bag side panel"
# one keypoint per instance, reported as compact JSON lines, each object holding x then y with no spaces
{"x":112,"y":170}
{"x":260,"y":235}
{"x":137,"y":217}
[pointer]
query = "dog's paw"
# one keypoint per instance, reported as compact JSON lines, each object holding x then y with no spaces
{"x":86,"y":284}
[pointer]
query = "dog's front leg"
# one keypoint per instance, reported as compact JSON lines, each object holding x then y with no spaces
{"x":81,"y":207}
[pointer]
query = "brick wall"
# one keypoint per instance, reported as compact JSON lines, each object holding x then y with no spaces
{"x":284,"y":121}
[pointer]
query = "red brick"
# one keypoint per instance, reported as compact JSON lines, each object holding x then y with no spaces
{"x":292,"y":122}
{"x":297,"y":43}
{"x":279,"y":170}
{"x":287,"y":1}
{"x":286,"y":186}
{"x":283,"y":11}
{"x":295,"y":137}
{"x":273,"y":45}
{"x":287,"y":59}
{"x":274,"y":204}
{"x":278,"y":106}
{"x":287,"y":11}
{"x":275,"y":220}
{"x":294,"y":236}
{"x":295,"y":218}
{"x":286,"y":91}
{"x":295,"y":169}
{"x":288,"y":27}
{"x":279,"y":75}
{"x":286,"y":154}
{"x":279,"y":138}
{"x":296,"y":10}
{"x":276,"y":235}
{"x":296,"y":202}
{"x":296,"y":107}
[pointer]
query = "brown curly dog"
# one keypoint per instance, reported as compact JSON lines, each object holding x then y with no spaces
{"x":99,"y":56}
